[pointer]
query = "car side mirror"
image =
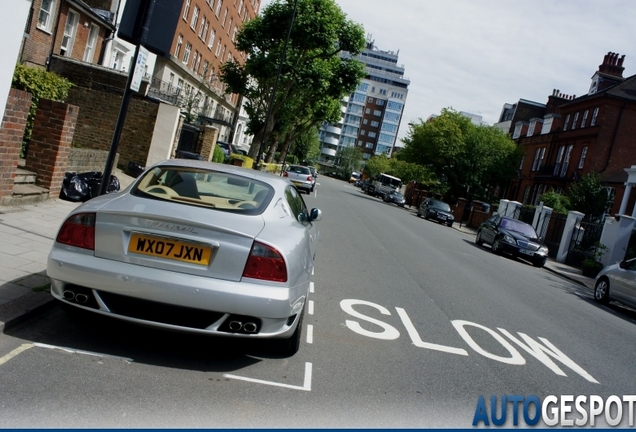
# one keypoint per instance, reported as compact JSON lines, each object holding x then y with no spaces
{"x":315,"y":214}
{"x":622,"y":264}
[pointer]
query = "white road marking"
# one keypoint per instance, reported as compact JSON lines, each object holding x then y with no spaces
{"x":418,"y":342}
{"x":310,"y":334}
{"x":14,"y":353}
{"x":305,"y":387}
{"x":90,"y":353}
{"x":310,"y":310}
{"x":311,"y":285}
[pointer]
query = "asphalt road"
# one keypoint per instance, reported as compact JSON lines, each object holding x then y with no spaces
{"x":409,"y":323}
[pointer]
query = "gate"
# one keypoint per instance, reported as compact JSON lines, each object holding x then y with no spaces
{"x":189,"y":139}
{"x":525,"y":214}
{"x":584,"y":240}
{"x":554,"y":232}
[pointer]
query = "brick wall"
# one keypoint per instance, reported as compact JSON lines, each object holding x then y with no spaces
{"x":98,"y":92}
{"x":50,"y":143}
{"x":11,"y":134}
{"x":85,"y":160}
{"x":37,"y":46}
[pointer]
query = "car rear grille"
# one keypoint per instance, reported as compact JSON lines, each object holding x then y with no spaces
{"x":159,"y":312}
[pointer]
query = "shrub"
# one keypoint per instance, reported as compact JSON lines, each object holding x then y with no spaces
{"x":219,"y":155}
{"x":248,"y":162}
{"x":41,"y":84}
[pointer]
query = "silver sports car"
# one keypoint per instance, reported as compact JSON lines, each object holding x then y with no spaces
{"x":192,"y":246}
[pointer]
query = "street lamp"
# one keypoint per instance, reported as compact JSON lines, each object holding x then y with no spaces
{"x":271,"y":99}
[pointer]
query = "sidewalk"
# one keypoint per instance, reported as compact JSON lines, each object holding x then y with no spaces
{"x":26,"y":237}
{"x":27,"y":234}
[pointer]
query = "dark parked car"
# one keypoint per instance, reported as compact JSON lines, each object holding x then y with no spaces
{"x":514,"y":237}
{"x":395,"y":198}
{"x":436,"y":210}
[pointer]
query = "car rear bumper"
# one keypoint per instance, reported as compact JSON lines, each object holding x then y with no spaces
{"x":128,"y":292}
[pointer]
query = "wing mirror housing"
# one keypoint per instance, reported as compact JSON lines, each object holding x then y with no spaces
{"x":315,"y":214}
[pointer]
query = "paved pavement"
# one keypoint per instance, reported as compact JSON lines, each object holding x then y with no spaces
{"x":27,"y":234}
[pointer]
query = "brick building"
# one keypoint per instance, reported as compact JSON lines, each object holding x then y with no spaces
{"x":203,"y":41}
{"x":574,"y":136}
{"x":72,"y":28}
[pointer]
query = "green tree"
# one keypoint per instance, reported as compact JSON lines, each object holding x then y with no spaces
{"x":306,"y":148}
{"x":42,"y":85}
{"x":411,"y":172}
{"x":348,"y":160}
{"x":376,"y":165}
{"x":589,"y":196}
{"x":557,"y":202}
{"x":464,"y":158}
{"x":313,"y":72}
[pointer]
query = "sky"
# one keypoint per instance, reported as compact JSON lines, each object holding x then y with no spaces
{"x":477,"y":55}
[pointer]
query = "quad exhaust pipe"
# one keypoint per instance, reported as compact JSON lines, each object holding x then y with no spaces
{"x":248,"y":327}
{"x":80,"y":298}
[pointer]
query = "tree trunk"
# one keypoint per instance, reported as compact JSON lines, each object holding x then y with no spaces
{"x":286,"y":146}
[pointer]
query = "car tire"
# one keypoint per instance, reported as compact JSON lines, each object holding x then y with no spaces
{"x":426,"y":215}
{"x":478,"y":240}
{"x":450,"y":225}
{"x":495,"y":247}
{"x":601,"y":290}
{"x":289,"y":347}
{"x":419,"y":215}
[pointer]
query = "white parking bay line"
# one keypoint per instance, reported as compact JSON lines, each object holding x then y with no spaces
{"x":90,"y":353}
{"x":311,"y":287}
{"x":311,"y":307}
{"x":14,"y":353}
{"x":306,"y":385}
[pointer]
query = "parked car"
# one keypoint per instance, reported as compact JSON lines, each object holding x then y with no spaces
{"x":301,"y":177}
{"x":227,"y":148}
{"x":513,"y":237}
{"x":192,"y":246}
{"x":314,"y":171}
{"x":395,"y":198}
{"x":617,"y":282}
{"x":437,"y":210}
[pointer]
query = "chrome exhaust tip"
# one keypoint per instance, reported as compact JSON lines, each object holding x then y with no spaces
{"x":68,"y":295}
{"x":235,"y":325}
{"x":81,"y":298}
{"x":250,"y":327}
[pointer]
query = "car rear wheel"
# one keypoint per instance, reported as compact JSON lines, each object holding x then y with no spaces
{"x":478,"y":240}
{"x":601,"y":291}
{"x":289,"y":347}
{"x":496,"y":249}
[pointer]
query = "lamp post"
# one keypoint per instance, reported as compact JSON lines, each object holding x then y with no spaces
{"x":272,"y":97}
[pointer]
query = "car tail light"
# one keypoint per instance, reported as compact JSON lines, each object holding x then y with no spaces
{"x":285,"y":174}
{"x":309,"y":178}
{"x":78,"y":230}
{"x":266,"y":263}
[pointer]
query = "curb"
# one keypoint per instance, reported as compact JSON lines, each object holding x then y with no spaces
{"x":564,"y":276}
{"x":24,"y":308}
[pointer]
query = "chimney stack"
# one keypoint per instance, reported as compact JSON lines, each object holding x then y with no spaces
{"x":612,"y":65}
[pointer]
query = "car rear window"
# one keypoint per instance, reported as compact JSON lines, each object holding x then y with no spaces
{"x":205,"y":188}
{"x":299,"y":170}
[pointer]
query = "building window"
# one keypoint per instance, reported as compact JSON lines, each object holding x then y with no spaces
{"x":240,"y":8}
{"x":526,"y":193}
{"x":177,"y":49}
{"x":203,"y":28}
{"x":584,"y":119}
{"x":229,"y":26}
{"x":211,"y":41}
{"x":224,"y":18}
{"x":365,"y":121}
{"x":574,"y":120}
{"x":89,"y":52}
{"x":377,"y":113}
{"x":186,"y":10}
{"x":531,"y":128}
{"x":559,"y":161}
{"x":379,"y":102}
{"x":218,"y":48}
{"x":218,"y":8}
{"x":370,"y":99}
{"x":45,"y":18}
{"x":538,"y":158}
{"x":383,"y":92}
{"x":363,"y":132}
{"x":186,"y":54}
{"x":369,"y":145}
{"x":565,"y":124}
{"x":582,"y":158}
{"x":523,"y":158}
{"x":375,"y":123}
{"x":594,"y":115}
{"x":234,"y":32}
{"x":372,"y":134}
{"x":566,"y":161}
{"x":70,"y":29}
{"x":367,"y":110}
{"x":179,"y":85}
{"x":170,"y":81}
{"x":195,"y":18}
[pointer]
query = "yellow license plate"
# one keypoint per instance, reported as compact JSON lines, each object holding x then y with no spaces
{"x":170,"y":249}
